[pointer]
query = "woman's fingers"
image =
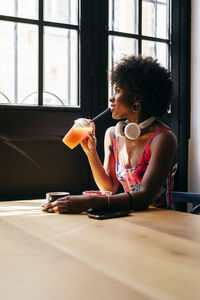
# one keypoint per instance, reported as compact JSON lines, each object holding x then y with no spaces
{"x":58,"y":206}
{"x":89,"y":143}
{"x":91,"y":136}
{"x":93,"y":128}
{"x":73,"y":205}
{"x":54,"y":209}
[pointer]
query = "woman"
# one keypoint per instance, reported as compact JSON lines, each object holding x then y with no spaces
{"x":143,"y":159}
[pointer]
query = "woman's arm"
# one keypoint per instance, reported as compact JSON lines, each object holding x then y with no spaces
{"x":104,"y":176}
{"x":164,"y":150}
{"x":163,"y":157}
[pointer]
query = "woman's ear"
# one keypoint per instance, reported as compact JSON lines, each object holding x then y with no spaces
{"x":136,"y":107}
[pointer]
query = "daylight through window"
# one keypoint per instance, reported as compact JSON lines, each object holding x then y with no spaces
{"x":39,"y":54}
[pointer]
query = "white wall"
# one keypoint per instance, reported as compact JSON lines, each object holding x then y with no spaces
{"x":194,"y":143}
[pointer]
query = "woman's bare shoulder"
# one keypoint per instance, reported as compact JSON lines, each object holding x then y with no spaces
{"x":109,"y":135}
{"x":110,"y":131}
{"x":166,"y":141}
{"x":165,"y":133}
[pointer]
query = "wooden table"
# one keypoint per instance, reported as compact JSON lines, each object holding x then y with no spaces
{"x":153,"y":254}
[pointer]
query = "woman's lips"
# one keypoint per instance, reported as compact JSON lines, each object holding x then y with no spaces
{"x":112,"y":108}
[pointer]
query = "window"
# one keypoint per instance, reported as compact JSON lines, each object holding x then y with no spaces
{"x":140,"y":27}
{"x":39,"y":56}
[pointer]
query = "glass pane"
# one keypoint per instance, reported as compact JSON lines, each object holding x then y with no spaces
{"x":20,"y":8}
{"x":19,"y":61}
{"x":119,"y":47}
{"x":123,"y":15}
{"x":156,"y":50}
{"x":60,"y":67}
{"x":61,"y":11}
{"x":155,"y":18}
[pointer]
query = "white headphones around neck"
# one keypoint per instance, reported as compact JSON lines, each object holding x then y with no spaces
{"x":132,"y":130}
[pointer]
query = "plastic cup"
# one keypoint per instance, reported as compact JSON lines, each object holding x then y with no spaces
{"x":77,"y":133}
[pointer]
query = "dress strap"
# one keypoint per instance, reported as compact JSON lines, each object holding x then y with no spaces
{"x":157,"y":132}
{"x":147,"y":149}
{"x":115,"y":146}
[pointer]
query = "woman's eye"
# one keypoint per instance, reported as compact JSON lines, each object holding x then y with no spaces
{"x":117,"y":91}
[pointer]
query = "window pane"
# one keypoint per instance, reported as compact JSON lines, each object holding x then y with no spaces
{"x":155,"y":16}
{"x":60,"y":67}
{"x":19,"y":8}
{"x":123,"y":15}
{"x":18,"y":60}
{"x":156,"y":50}
{"x":119,"y":47}
{"x":61,"y":11}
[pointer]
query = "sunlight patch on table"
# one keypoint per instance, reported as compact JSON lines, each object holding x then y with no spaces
{"x":20,"y":210}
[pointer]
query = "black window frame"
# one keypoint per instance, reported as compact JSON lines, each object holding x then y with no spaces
{"x":41,"y":23}
{"x":181,"y":62}
{"x":139,"y":36}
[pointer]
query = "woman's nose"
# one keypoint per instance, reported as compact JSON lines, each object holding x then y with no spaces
{"x":112,"y":98}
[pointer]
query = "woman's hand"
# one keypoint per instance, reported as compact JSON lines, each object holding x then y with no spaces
{"x":89,"y":143}
{"x":70,"y":205}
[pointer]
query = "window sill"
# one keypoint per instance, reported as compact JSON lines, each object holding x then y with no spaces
{"x":38,"y":107}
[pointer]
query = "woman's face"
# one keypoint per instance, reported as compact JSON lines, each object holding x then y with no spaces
{"x":120,"y":104}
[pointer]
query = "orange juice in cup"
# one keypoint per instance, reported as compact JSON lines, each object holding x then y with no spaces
{"x":78,"y":132}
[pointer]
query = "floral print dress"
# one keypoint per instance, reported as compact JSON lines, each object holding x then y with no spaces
{"x":131,"y":178}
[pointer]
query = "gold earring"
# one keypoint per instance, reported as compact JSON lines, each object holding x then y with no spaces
{"x":136,"y":107}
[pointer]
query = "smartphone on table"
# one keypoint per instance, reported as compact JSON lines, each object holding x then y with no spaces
{"x":99,"y":213}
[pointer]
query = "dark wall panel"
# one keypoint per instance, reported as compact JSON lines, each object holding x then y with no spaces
{"x":33,"y":158}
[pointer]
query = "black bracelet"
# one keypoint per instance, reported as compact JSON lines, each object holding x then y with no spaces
{"x":131,"y":200}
